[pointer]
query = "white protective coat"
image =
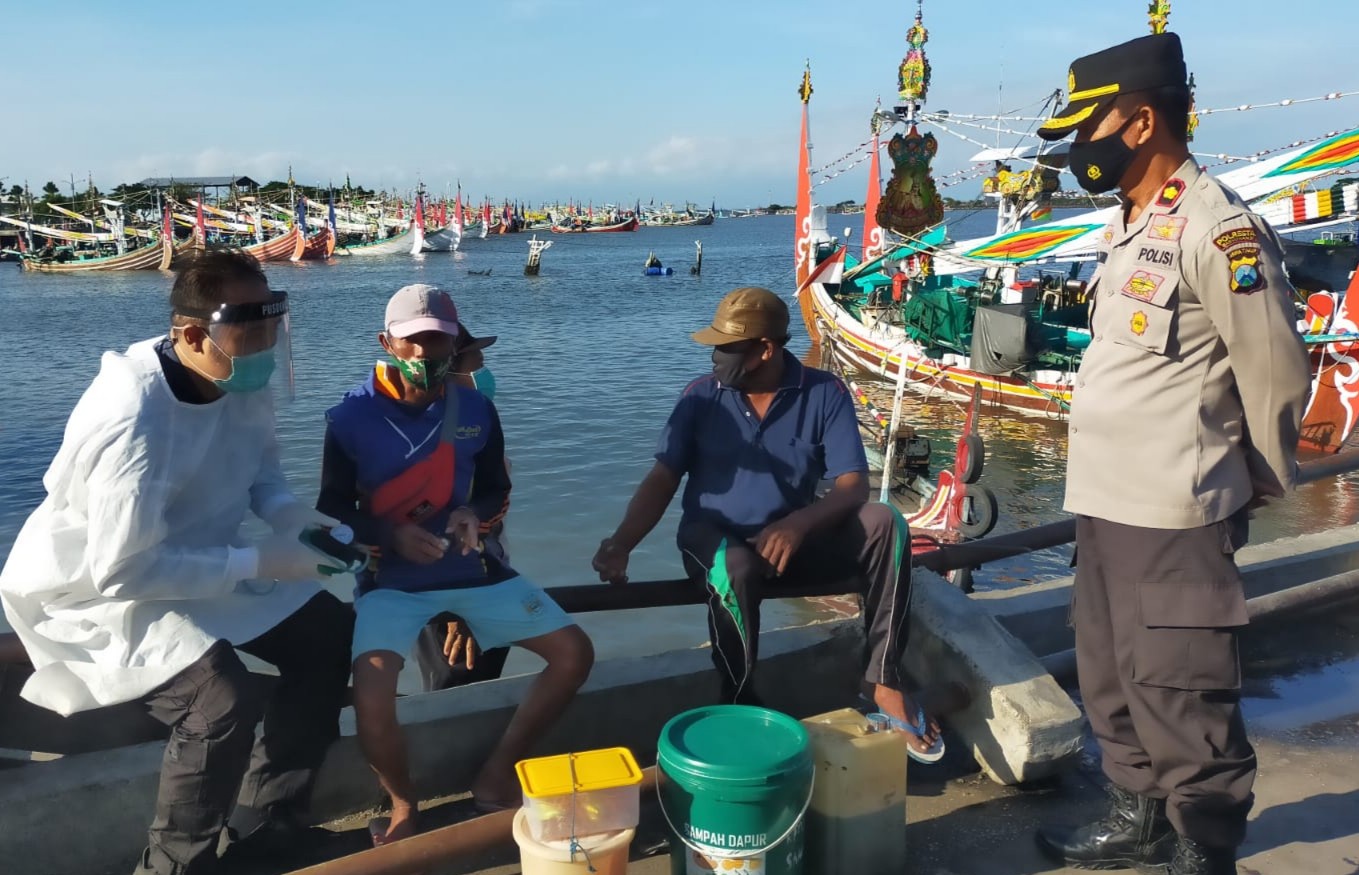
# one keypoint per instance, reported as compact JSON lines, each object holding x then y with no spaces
{"x":134,"y":564}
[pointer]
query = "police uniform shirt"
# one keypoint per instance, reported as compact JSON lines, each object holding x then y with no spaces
{"x":1189,"y":399}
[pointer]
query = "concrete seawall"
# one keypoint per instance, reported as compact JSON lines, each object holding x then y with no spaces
{"x":1020,"y":726}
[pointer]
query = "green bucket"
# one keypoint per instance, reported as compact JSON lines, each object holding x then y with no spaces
{"x":734,"y":783}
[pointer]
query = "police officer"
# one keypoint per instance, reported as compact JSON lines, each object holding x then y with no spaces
{"x":1185,"y":416}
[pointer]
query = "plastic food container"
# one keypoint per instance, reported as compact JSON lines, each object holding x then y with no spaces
{"x":580,"y":794}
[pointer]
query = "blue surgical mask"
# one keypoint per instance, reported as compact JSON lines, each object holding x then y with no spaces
{"x":484,"y":380}
{"x":249,"y":373}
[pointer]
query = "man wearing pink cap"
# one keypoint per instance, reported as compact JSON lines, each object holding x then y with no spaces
{"x":415,"y":464}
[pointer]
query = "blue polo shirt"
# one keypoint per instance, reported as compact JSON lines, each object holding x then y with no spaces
{"x":744,"y":472}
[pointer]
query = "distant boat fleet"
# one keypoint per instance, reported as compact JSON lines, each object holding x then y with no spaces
{"x":158,"y":229}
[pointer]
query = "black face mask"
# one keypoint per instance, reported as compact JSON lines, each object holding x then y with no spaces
{"x":729,"y":365}
{"x":1099,"y":165}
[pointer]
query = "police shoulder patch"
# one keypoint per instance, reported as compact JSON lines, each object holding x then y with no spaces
{"x":1237,"y":237}
{"x":1244,"y":269}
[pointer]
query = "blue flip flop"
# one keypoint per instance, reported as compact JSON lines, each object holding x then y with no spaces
{"x":934,"y":754}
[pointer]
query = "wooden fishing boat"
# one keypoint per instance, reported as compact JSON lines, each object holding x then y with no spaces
{"x":915,"y":308}
{"x":279,"y":248}
{"x":442,"y":240}
{"x":583,"y":227}
{"x":153,"y":256}
{"x":387,"y":246}
{"x":157,"y":255}
{"x":317,"y":247}
{"x":628,"y":224}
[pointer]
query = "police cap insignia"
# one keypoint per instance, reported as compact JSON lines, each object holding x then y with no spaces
{"x":1094,"y":81}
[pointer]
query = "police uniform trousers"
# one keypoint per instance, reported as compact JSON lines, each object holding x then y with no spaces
{"x":870,"y":549}
{"x":1156,"y":614}
{"x":213,"y":760}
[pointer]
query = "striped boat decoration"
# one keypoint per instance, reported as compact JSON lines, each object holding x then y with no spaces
{"x":1029,"y":243}
{"x":1337,"y":152}
{"x":1312,"y":205}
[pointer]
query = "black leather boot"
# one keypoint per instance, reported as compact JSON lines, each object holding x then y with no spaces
{"x":1133,"y":833}
{"x":1192,"y":858}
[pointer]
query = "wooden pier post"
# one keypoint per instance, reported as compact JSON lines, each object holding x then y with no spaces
{"x":536,"y":248}
{"x":697,"y":267}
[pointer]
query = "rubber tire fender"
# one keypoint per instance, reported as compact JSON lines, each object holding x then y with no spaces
{"x":985,"y":511}
{"x":971,"y":458}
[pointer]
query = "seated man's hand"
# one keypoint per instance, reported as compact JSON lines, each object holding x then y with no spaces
{"x":414,"y":544}
{"x":611,"y":561}
{"x":459,"y":641}
{"x":779,"y":541}
{"x":464,"y":529}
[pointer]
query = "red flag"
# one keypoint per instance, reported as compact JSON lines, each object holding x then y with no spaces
{"x":803,"y":227}
{"x":201,"y":229}
{"x":874,"y":245}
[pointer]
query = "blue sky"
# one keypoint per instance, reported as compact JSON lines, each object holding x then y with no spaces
{"x":597,"y":100}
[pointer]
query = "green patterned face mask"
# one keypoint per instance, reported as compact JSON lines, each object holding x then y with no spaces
{"x":424,"y":373}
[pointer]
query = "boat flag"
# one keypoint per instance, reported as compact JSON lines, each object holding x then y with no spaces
{"x":330,"y":219}
{"x":830,"y":271}
{"x":802,"y":250}
{"x":457,"y":209}
{"x":302,"y":215}
{"x":419,"y":212}
{"x":200,"y":229}
{"x":874,"y":242}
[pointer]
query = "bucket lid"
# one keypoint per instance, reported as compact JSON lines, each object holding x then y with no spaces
{"x":734,"y":744}
{"x":578,"y":772}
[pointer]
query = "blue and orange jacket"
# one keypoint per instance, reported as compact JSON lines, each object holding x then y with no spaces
{"x":373,"y":439}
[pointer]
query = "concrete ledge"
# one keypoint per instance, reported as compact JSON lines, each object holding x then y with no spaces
{"x":1037,"y":614}
{"x":105,"y":799}
{"x":1021,"y":725}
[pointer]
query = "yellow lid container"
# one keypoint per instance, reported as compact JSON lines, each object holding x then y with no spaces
{"x":593,"y":770}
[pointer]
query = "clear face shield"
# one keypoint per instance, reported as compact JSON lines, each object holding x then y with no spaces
{"x":252,"y":346}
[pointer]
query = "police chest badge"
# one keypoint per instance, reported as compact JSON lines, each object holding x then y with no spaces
{"x":1138,"y":324}
{"x":1245,"y":270}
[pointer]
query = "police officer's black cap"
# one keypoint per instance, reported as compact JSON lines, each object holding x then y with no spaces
{"x":1095,"y":81}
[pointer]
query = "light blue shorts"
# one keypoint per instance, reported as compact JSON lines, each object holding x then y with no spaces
{"x":498,"y":614}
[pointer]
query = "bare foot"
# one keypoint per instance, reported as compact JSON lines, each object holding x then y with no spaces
{"x":401,"y":825}
{"x":896,"y":703}
{"x":496,"y":787}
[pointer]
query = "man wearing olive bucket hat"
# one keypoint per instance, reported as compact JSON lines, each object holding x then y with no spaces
{"x":756,"y":438}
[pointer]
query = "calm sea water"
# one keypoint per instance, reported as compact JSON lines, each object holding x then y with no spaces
{"x":592,"y":355}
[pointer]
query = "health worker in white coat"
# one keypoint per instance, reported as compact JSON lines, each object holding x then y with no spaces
{"x":132,"y":581}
